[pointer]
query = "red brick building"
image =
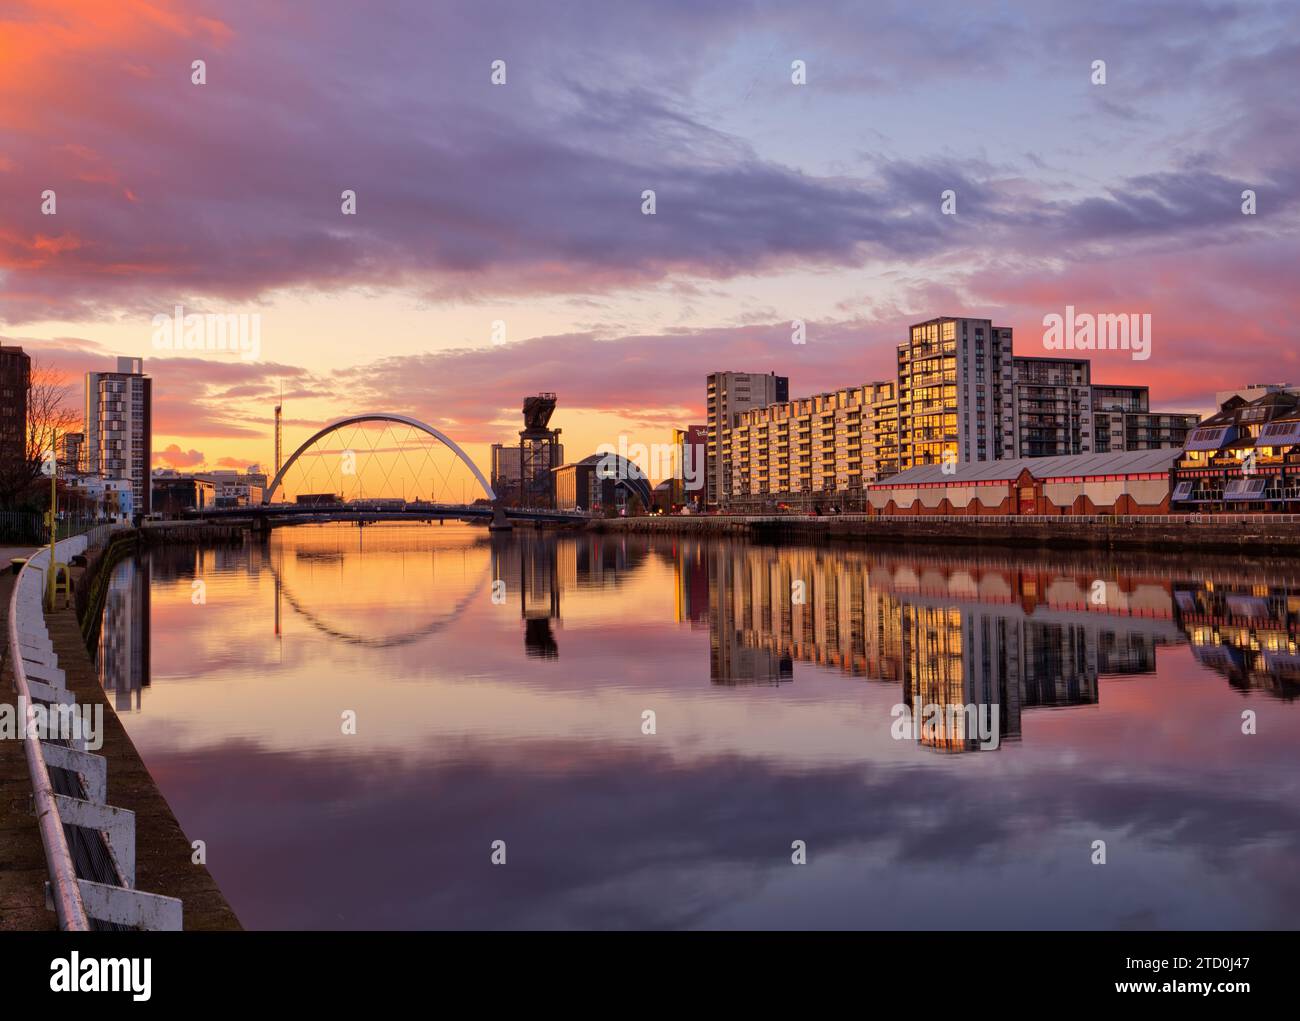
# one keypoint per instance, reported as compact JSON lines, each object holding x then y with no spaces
{"x":1131,"y":482}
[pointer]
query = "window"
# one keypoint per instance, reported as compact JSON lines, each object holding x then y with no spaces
{"x":1207,"y":439}
{"x":1281,"y":432}
{"x":1245,"y":489}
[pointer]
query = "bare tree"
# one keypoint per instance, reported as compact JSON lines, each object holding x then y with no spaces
{"x":50,"y":414}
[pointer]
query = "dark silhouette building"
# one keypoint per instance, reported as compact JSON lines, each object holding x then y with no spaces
{"x":15,"y":378}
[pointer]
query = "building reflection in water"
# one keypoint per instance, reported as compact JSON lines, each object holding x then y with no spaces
{"x":1247,"y":633}
{"x":123,"y":659}
{"x":693,"y":591}
{"x":537,"y":567}
{"x":949,"y":632}
{"x":122,"y":651}
{"x":750,"y":625}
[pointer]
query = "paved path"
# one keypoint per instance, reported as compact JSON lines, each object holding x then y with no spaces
{"x":22,"y":859}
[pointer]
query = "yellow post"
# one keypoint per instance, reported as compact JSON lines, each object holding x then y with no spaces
{"x":54,"y":521}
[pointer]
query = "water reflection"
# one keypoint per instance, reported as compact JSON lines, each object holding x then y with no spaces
{"x":997,"y":629}
{"x":122,"y":648}
{"x":499,"y":683}
{"x":1245,"y":632}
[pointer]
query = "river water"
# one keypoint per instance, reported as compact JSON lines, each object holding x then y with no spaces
{"x":651,"y":731}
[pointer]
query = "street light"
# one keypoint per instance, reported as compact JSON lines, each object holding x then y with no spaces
{"x":52,"y":462}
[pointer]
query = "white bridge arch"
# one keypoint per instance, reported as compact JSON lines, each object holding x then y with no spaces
{"x":380,"y":416}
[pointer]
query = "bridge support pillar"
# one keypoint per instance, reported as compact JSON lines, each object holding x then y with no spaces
{"x":499,"y":523}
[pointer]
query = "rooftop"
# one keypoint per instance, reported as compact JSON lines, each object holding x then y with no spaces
{"x":1128,"y":462}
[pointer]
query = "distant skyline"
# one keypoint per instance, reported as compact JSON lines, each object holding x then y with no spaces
{"x":521,"y":204}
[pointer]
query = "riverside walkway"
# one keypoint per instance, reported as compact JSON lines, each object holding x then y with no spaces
{"x":22,"y":859}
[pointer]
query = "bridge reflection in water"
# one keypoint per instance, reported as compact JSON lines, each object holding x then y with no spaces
{"x":1019,"y":632}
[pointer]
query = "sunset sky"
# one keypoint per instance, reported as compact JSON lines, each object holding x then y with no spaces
{"x":522,"y":202}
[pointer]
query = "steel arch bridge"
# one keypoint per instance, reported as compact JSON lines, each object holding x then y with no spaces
{"x":379,"y":416}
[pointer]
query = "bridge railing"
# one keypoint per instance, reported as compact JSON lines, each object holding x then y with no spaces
{"x":77,"y":901}
{"x":410,"y":509}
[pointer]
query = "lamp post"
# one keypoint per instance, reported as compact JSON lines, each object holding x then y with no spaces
{"x":54,"y":522}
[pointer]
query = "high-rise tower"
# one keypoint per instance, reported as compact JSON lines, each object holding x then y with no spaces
{"x":119,"y":427}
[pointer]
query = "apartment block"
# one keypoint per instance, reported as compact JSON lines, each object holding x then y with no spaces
{"x":1052,"y":401}
{"x":1157,"y":430}
{"x":119,"y":429}
{"x":15,"y":378}
{"x":883,"y":441}
{"x":813,"y":450}
{"x":506,"y":471}
{"x":1123,"y":420}
{"x":954,"y":392}
{"x":70,"y":453}
{"x":730,"y":394}
{"x":961,"y":395}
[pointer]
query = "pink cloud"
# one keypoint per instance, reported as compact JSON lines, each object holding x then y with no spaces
{"x":174,"y":457}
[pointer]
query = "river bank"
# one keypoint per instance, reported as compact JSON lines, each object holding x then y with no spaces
{"x":1256,"y":534}
{"x":22,"y":880}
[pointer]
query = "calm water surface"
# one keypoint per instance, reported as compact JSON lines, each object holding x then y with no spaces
{"x":521,"y":720}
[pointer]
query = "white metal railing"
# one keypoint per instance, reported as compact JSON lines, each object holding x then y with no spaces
{"x":995,"y":519}
{"x":97,"y":536}
{"x":37,"y":678}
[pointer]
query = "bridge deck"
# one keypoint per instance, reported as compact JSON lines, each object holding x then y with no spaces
{"x":370,"y":512}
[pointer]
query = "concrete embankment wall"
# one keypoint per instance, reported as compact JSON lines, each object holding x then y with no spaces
{"x":1274,"y":534}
